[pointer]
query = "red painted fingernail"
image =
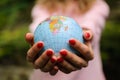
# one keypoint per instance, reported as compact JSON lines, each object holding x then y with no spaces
{"x":63,"y":53}
{"x":49,"y":52}
{"x":87,"y":35}
{"x":53,"y":60}
{"x":40,"y":45}
{"x":72,"y":42}
{"x":60,"y":60}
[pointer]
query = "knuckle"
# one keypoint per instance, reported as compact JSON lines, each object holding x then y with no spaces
{"x":67,"y":72}
{"x":70,"y":68}
{"x":78,"y":47}
{"x":82,"y":64}
{"x":88,"y":54}
{"x":28,"y":52}
{"x":46,"y":69}
{"x":92,"y":57}
{"x":73,"y":69}
{"x":79,"y":65}
{"x":36,"y":65}
{"x":29,"y":59}
{"x":43,"y":58}
{"x":34,"y":50}
{"x":85,"y":65}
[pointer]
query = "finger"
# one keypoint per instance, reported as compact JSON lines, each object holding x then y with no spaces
{"x":88,"y":43}
{"x":29,"y":38}
{"x":54,"y":70}
{"x":82,"y":48}
{"x":64,"y":70}
{"x":34,"y":50}
{"x":61,"y":67}
{"x":49,"y":66}
{"x":43,"y":59}
{"x":65,"y":66}
{"x":75,"y":60}
{"x":87,"y":34}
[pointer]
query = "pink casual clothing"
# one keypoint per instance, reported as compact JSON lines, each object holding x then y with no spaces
{"x":94,"y":19}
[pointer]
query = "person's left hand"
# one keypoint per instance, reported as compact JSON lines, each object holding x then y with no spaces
{"x":46,"y":61}
{"x":68,"y":61}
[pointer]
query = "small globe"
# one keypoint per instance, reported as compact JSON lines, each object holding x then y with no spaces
{"x":56,"y":31}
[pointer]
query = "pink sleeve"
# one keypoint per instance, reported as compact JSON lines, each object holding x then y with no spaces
{"x":95,"y":18}
{"x":38,"y":14}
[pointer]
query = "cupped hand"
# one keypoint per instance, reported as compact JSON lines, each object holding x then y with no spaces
{"x":68,"y":61}
{"x":46,"y":61}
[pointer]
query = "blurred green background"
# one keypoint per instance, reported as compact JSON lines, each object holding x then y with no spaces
{"x":14,"y":21}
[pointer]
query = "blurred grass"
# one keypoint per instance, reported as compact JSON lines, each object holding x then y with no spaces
{"x":14,"y":73}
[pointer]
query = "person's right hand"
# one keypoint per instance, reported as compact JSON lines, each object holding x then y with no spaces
{"x":46,"y":61}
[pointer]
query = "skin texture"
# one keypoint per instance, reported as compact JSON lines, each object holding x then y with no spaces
{"x":66,"y":61}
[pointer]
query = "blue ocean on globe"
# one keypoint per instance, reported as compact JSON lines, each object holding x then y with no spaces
{"x":56,"y":31}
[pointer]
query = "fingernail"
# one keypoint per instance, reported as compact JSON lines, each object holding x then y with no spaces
{"x":53,"y":60}
{"x":72,"y":42}
{"x":60,"y":60}
{"x":87,"y":35}
{"x":40,"y":45}
{"x":63,"y":53}
{"x":49,"y":52}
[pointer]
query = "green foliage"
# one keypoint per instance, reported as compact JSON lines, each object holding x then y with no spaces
{"x":110,"y":50}
{"x":111,"y":39}
{"x":13,"y":46}
{"x":14,"y":12}
{"x":14,"y":20}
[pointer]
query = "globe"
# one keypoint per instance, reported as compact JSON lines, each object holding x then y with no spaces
{"x":56,"y":31}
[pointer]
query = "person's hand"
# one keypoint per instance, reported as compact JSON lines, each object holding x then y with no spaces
{"x":46,"y":61}
{"x":68,"y":61}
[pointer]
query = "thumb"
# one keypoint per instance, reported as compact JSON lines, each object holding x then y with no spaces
{"x":88,"y":35}
{"x":29,"y":38}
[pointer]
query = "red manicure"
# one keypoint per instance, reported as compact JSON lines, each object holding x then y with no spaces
{"x":60,"y":60}
{"x":72,"y":42}
{"x":40,"y":45}
{"x":87,"y":35}
{"x":49,"y":52}
{"x":63,"y":53}
{"x":53,"y":60}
